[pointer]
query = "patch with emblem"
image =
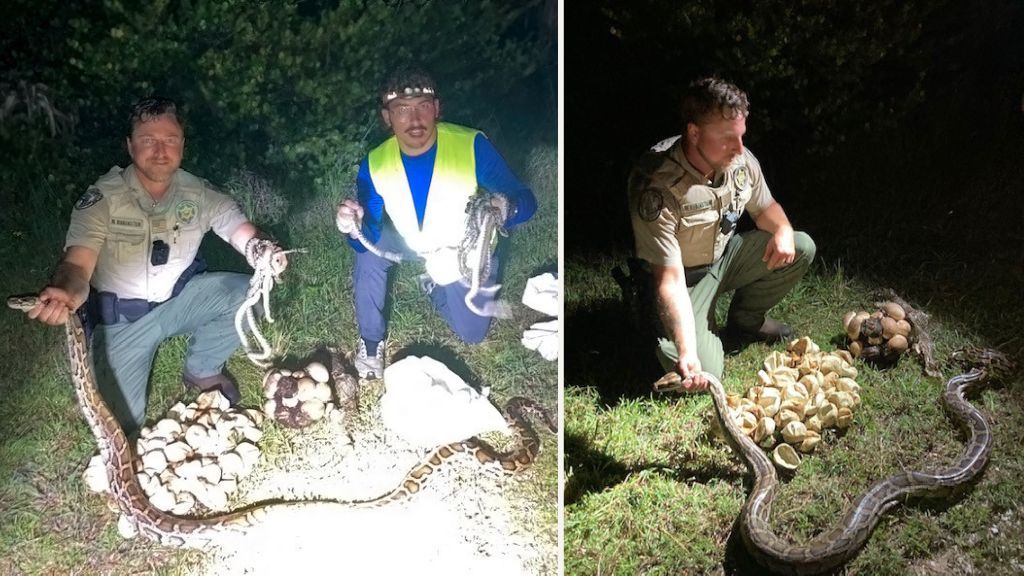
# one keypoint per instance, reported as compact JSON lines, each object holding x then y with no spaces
{"x":740,"y":177}
{"x":92,"y":195}
{"x":650,"y":205}
{"x":187,"y":211}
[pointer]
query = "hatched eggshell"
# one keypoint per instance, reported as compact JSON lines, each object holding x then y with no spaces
{"x":810,"y":442}
{"x":177,"y":451}
{"x":154,"y":461}
{"x":785,"y":457}
{"x":765,"y":429}
{"x":794,"y":432}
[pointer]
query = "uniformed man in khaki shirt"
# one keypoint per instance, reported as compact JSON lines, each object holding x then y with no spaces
{"x":685,"y":196}
{"x":134,"y":237}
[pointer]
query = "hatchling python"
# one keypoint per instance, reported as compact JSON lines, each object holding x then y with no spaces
{"x":118,"y":457}
{"x":836,"y":547}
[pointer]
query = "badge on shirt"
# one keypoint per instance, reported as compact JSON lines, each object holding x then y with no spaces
{"x":650,"y":205}
{"x":740,"y":177}
{"x":187,"y":211}
{"x":92,"y":195}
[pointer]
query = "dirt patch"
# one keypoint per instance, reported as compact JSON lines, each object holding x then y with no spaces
{"x":464,"y":521}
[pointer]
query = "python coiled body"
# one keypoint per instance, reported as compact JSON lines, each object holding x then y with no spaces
{"x":118,"y":457}
{"x":834,"y":548}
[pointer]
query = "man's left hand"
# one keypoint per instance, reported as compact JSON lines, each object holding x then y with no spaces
{"x":781,"y":249}
{"x":500,"y":202}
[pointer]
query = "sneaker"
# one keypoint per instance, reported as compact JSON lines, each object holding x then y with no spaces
{"x":770,"y":332}
{"x":221,"y":382}
{"x":366,"y":364}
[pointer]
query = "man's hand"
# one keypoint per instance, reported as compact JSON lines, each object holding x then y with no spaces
{"x":54,"y":306}
{"x":688,"y":367}
{"x":781,"y":249}
{"x":500,"y":202}
{"x":349,"y":215}
{"x":259,"y":251}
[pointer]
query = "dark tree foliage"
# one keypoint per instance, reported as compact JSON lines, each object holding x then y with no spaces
{"x":821,"y":75}
{"x":284,"y":88}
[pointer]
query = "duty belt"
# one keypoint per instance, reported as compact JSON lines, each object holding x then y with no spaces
{"x":108,"y":308}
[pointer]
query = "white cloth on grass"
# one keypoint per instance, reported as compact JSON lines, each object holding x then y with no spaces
{"x":542,"y":294}
{"x":543,"y":337}
{"x":428,"y":405}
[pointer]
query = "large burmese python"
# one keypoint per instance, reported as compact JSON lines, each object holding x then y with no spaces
{"x":118,"y":456}
{"x":833,"y":549}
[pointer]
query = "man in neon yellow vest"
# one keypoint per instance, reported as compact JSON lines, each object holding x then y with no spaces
{"x":421,"y":179}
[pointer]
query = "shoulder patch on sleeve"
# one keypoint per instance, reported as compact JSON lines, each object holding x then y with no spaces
{"x":650,"y":205}
{"x":92,"y":195}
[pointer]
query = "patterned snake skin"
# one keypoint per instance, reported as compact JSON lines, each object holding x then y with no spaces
{"x":836,"y":547}
{"x":118,"y":456}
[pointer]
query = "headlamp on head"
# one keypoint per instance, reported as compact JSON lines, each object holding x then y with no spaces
{"x":408,"y":92}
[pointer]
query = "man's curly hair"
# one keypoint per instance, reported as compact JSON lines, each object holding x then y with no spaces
{"x":152,"y":107}
{"x":709,"y":95}
{"x":407,"y":76}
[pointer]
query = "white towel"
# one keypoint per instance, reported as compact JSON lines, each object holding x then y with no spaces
{"x":543,"y":337}
{"x":428,"y":405}
{"x":542,"y":293}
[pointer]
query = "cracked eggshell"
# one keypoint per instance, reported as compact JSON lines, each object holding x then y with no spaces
{"x":844,"y":417}
{"x":765,"y":430}
{"x":785,"y":457}
{"x":810,"y":442}
{"x":794,"y":432}
{"x":746,"y":422}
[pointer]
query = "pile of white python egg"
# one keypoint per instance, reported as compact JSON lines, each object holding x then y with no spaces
{"x":196,"y":455}
{"x":297,"y":398}
{"x":799,"y":394}
{"x":880,"y":336}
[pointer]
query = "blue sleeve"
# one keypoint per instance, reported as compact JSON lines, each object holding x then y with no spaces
{"x":495,"y":176}
{"x":373,"y":207}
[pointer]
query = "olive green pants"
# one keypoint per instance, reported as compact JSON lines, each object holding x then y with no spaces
{"x":757,"y":289}
{"x":123,"y":353}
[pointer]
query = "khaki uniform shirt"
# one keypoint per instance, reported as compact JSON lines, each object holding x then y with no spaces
{"x":117,"y":218}
{"x":677,"y":214}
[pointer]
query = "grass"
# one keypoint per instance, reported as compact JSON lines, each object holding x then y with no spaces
{"x":651,"y":490}
{"x":51,"y":524}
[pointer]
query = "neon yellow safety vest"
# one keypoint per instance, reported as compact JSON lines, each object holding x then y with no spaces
{"x":452,"y":184}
